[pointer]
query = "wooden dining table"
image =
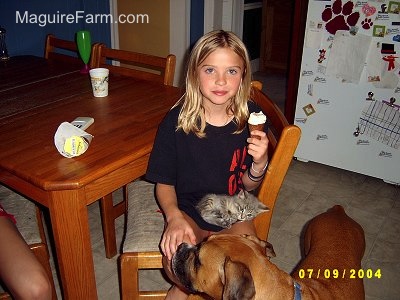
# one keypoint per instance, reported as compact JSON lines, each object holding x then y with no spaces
{"x":124,"y":129}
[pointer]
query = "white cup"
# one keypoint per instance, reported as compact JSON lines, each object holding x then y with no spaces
{"x":99,"y":78}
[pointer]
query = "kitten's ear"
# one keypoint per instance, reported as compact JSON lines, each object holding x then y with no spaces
{"x":242,"y":194}
{"x":210,"y":199}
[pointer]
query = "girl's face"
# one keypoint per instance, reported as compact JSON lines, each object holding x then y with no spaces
{"x":220,"y":76}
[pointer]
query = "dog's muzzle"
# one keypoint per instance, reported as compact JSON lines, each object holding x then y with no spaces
{"x":181,"y":264}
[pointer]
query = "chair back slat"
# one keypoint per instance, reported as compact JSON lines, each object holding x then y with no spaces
{"x":135,"y":64}
{"x":54,"y":44}
{"x":63,"y":50}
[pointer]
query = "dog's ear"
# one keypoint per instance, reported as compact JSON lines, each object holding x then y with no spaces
{"x":269,"y":250}
{"x":238,"y":283}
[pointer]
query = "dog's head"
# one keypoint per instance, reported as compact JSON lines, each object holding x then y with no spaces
{"x":221,"y":267}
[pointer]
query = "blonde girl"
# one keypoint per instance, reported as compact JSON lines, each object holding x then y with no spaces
{"x":203,"y":145}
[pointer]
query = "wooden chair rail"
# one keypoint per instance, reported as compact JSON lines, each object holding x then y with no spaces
{"x":53,"y":43}
{"x":135,"y":64}
{"x":57,"y":49}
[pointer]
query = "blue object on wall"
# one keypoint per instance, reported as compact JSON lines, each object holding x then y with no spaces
{"x":29,"y":21}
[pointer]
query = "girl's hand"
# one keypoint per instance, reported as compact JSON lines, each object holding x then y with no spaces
{"x":258,"y":148}
{"x":178,"y":230}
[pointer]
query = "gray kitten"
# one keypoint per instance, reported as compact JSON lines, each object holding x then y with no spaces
{"x":224,"y":210}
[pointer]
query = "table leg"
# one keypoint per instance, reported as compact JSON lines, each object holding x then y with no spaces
{"x":69,"y":220}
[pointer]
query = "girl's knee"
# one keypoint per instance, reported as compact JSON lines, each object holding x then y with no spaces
{"x":42,"y":290}
{"x":38,"y":287}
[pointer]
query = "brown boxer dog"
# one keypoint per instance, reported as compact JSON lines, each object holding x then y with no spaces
{"x":237,"y":267}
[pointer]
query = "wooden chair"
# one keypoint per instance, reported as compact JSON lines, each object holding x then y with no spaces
{"x":145,"y":223}
{"x":30,"y":225}
{"x":61,"y":50}
{"x":135,"y":64}
{"x":140,"y":66}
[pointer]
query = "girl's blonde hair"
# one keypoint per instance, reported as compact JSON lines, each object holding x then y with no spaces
{"x":192,"y":115}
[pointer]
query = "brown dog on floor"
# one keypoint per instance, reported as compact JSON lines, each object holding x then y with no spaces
{"x":237,"y":267}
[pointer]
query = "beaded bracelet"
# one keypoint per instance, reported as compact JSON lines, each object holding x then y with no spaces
{"x":254,"y":178}
{"x":262,"y":171}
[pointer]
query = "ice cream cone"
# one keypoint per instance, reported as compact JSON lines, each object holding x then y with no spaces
{"x":256,"y":122}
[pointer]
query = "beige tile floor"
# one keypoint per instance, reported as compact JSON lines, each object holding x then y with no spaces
{"x":308,"y":189}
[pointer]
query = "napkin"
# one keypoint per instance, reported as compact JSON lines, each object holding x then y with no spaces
{"x":71,"y":141}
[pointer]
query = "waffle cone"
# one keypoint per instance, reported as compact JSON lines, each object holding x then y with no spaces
{"x":256,"y":127}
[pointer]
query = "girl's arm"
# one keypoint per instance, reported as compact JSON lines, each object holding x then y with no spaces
{"x":177,"y":229}
{"x":254,"y":182}
{"x":258,"y":149}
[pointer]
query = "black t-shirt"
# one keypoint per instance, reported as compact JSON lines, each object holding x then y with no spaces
{"x":197,"y":166}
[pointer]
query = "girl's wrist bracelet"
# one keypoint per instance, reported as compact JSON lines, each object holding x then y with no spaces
{"x":254,"y":178}
{"x":259,"y":172}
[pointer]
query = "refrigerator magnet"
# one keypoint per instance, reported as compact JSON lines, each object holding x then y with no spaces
{"x":307,"y":73}
{"x":362,"y":142}
{"x":322,"y":53}
{"x":322,"y":137}
{"x":323,"y":101}
{"x":368,"y":10}
{"x":301,"y":120}
{"x":340,"y":17}
{"x":370,"y":96}
{"x":383,"y":9}
{"x":310,"y":89}
{"x":394,"y":7}
{"x":309,"y":109}
{"x":385,"y":154}
{"x":379,"y":31}
{"x":367,"y":23}
{"x":388,"y":48}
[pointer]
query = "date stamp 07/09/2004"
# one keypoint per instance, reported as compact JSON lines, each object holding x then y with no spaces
{"x":337,"y":274}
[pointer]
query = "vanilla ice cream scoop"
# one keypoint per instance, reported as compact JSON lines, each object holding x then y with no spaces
{"x":256,"y":122}
{"x":257,"y":118}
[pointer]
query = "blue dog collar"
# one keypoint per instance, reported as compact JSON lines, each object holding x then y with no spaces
{"x":297,"y":291}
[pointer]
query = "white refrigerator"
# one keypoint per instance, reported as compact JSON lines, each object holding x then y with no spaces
{"x":348,"y":99}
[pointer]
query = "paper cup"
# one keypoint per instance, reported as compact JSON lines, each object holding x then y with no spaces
{"x":99,"y":78}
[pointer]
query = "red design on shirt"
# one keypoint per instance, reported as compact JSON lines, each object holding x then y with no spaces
{"x":235,"y":179}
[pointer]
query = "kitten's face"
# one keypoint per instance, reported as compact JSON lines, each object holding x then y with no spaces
{"x":248,"y":207}
{"x":244,"y":212}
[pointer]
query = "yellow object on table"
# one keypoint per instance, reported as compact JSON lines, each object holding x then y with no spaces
{"x":75,"y":145}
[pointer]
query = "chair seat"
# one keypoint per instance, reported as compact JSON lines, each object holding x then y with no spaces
{"x":24,"y":212}
{"x":145,"y":222}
